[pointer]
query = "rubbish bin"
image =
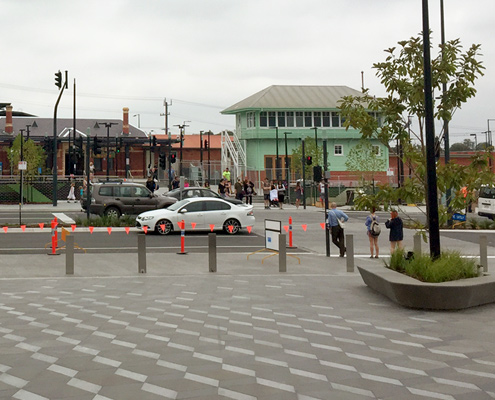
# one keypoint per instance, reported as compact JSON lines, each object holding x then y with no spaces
{"x":349,"y":198}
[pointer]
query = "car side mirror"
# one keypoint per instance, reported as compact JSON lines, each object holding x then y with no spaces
{"x":183,"y":211}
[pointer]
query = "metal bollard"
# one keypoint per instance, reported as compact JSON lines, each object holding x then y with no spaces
{"x":69,"y":255}
{"x":282,"y":254}
{"x":349,"y":240}
{"x":484,"y":252}
{"x":212,"y":252}
{"x":141,"y":253}
{"x":417,"y":244}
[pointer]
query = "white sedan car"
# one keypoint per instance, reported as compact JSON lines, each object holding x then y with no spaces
{"x":198,"y":213}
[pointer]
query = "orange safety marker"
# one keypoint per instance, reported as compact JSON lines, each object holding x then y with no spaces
{"x":182,"y":226}
{"x":304,"y":226}
{"x":54,"y":224}
{"x":5,"y":229}
{"x":231,"y":228}
{"x":73,"y":226}
{"x":109,"y":229}
{"x":212,"y":227}
{"x":145,"y":229}
{"x":127,"y":229}
{"x":193,"y":225}
{"x":23,"y":227}
{"x":286,"y":228}
{"x":249,"y":229}
{"x":162,"y":227}
{"x":41,"y":225}
{"x":290,"y":232}
{"x":322,"y":224}
{"x":91,"y":228}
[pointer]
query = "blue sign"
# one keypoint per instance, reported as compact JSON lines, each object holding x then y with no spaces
{"x":459,"y":217}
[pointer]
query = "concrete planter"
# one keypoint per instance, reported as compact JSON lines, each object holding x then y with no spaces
{"x":409,"y":292}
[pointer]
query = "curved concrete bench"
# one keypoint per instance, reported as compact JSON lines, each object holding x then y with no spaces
{"x":409,"y":292}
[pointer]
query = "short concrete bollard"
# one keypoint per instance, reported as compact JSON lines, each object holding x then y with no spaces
{"x":212,"y":252}
{"x":484,"y":253}
{"x":349,"y":244}
{"x":69,"y":255}
{"x":141,"y":253}
{"x":417,"y":244}
{"x":282,"y":253}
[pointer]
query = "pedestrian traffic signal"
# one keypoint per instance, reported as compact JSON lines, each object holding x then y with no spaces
{"x":206,"y":144}
{"x":58,"y":79}
{"x":173,"y":158}
{"x":97,"y":144}
{"x":162,"y":161}
{"x":317,"y":173}
{"x":309,"y":160}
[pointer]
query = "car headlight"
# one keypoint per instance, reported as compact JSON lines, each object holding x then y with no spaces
{"x":146,"y":218}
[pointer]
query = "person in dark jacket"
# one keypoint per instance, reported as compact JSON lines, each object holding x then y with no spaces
{"x":396,"y":231}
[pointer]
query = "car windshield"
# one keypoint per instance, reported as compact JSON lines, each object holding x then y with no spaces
{"x":179,"y":204}
{"x":173,"y":192}
{"x":487,"y":192}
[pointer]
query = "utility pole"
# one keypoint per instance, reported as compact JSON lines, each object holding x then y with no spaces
{"x":166,"y":114}
{"x":182,"y":130}
{"x":325,"y":168}
{"x":303,"y":163}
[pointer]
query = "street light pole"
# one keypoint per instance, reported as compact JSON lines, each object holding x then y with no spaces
{"x":277,"y":167}
{"x":209,"y":146}
{"x":287,"y":174}
{"x":182,"y":132}
{"x":108,"y":125}
{"x":489,"y":142}
{"x":475,"y":140}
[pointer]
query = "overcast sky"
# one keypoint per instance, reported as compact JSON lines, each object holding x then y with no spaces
{"x":205,"y":55}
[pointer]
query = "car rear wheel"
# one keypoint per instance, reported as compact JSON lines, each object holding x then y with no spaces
{"x":164,"y":227}
{"x":112,"y":212}
{"x":236,"y":226}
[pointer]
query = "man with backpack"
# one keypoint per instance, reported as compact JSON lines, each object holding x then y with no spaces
{"x":373,"y":231}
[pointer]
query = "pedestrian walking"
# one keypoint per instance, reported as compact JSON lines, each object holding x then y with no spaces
{"x":336,"y":220}
{"x":266,"y":192}
{"x":281,"y":194}
{"x":373,"y":231}
{"x":221,"y":188}
{"x":150,"y":184}
{"x":72,"y":194}
{"x":299,"y":192}
{"x":396,"y":227}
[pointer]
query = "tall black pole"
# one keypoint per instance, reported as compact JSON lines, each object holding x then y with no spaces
{"x":21,"y":194}
{"x":73,"y":166}
{"x":303,"y":162}
{"x":108,"y":150}
{"x":88,"y":174}
{"x":325,"y":168}
{"x":287,"y":172}
{"x":433,"y":224}
{"x":209,"y":147}
{"x":201,"y":154}
{"x":277,"y":164}
{"x":55,"y":183}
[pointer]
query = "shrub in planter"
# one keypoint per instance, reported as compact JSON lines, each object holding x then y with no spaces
{"x":449,"y":267}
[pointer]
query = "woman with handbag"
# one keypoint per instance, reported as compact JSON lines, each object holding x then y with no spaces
{"x":336,"y":220}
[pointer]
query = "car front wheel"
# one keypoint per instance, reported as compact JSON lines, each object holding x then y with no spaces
{"x":236,"y":226}
{"x":112,"y":212}
{"x":164,"y":227}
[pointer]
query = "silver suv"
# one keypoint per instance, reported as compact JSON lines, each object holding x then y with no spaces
{"x":117,"y":198}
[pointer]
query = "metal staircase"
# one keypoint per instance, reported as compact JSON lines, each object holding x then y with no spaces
{"x":233,"y":153}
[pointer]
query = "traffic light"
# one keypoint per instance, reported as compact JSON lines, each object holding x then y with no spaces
{"x":154,"y":141}
{"x":162,"y":161}
{"x":206,"y":144}
{"x":118,"y":144}
{"x":78,"y":143}
{"x":58,"y":79}
{"x":309,"y":160}
{"x":173,"y":158}
{"x":47,"y":145}
{"x":97,"y":144}
{"x":317,"y":173}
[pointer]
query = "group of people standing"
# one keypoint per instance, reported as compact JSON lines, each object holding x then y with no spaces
{"x":274,"y":193}
{"x":336,"y":220}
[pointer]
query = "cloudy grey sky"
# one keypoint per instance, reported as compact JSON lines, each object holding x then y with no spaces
{"x":205,"y":55}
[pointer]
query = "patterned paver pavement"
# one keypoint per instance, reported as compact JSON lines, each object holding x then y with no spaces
{"x":313,"y":333}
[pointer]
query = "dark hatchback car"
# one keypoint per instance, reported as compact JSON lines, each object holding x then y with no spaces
{"x":117,"y":198}
{"x":198,"y":191}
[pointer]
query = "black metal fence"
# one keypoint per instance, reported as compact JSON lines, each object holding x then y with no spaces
{"x":36,"y":190}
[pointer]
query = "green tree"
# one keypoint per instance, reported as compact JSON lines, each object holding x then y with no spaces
{"x":364,"y":159}
{"x":401,"y":74}
{"x":33,"y":154}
